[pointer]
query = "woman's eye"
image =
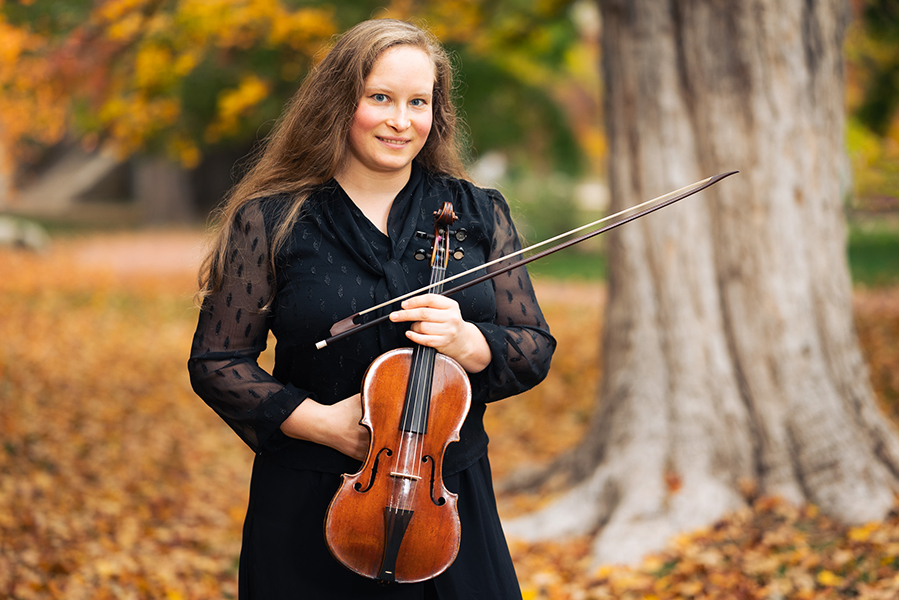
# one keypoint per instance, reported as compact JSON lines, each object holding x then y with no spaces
{"x":379,"y":97}
{"x":418,"y":102}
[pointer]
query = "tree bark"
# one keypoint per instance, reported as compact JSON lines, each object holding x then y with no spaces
{"x":730,"y":355}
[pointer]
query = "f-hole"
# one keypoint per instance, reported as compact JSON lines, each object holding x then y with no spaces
{"x":441,"y":500}
{"x":374,"y":472}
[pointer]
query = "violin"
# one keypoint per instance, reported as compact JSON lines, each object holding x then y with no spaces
{"x":394,"y":520}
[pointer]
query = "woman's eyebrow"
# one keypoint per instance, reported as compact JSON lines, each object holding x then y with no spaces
{"x":374,"y":87}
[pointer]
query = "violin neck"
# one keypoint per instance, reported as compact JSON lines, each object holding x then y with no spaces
{"x":418,"y":393}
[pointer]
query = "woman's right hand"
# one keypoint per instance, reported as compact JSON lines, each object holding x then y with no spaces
{"x":336,"y":425}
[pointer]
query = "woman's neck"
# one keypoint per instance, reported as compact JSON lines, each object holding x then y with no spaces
{"x":373,"y":193}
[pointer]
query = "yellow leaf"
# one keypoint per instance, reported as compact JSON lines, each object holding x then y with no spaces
{"x":863,"y":533}
{"x":829,"y":578}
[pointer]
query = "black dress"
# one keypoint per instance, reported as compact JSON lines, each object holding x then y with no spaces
{"x":334,"y":264}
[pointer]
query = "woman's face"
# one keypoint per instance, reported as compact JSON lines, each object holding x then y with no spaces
{"x":394,"y":115}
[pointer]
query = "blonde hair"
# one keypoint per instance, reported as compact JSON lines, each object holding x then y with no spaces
{"x":309,"y":142}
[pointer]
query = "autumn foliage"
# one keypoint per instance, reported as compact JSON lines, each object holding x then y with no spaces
{"x":177,"y":78}
{"x":165,"y":77}
{"x":117,"y":482}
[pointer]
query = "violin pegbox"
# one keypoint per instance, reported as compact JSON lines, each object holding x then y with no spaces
{"x":443,"y":218}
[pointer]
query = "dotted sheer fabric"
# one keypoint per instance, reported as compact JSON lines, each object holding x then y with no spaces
{"x":335,"y":264}
{"x":233,"y":331}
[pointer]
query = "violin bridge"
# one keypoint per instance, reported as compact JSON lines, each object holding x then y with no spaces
{"x":404,"y":476}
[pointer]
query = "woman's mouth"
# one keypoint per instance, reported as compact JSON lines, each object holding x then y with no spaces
{"x":393,"y":142}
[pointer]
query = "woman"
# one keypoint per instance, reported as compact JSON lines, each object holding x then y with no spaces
{"x":324,"y":225}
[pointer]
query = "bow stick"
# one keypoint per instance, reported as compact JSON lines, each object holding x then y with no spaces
{"x":348,"y":326}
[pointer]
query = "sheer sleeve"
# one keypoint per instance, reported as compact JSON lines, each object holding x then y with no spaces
{"x":519,"y":337}
{"x":231,"y":334}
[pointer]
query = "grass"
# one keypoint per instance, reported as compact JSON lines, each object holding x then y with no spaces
{"x":570,"y":265}
{"x":874,"y":253}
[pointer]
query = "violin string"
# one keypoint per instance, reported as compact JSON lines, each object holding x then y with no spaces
{"x":402,"y":458}
{"x":439,"y":271}
{"x":419,"y":407}
{"x":410,"y":442}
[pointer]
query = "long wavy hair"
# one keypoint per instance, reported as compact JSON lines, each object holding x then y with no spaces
{"x":309,"y":143}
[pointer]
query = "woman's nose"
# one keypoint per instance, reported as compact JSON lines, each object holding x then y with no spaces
{"x":399,"y":120}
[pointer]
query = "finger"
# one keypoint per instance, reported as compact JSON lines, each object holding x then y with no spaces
{"x":431,"y":328}
{"x":429,"y":301}
{"x":425,"y":340}
{"x":419,"y":314}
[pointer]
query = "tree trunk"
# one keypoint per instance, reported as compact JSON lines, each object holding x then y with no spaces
{"x":163,"y":191}
{"x":5,"y":179}
{"x":730,"y":355}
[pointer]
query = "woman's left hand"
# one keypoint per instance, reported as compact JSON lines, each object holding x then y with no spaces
{"x":437,"y":322}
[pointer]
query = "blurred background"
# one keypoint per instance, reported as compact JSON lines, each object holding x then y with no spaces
{"x":122,"y":124}
{"x":136,"y":113}
{"x":132,"y":113}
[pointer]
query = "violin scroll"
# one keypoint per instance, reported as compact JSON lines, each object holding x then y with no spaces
{"x":443,"y":218}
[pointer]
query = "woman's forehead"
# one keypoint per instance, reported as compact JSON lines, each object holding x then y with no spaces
{"x":403,"y":65}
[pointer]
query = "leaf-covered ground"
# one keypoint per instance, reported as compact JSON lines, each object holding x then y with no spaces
{"x":117,"y":482}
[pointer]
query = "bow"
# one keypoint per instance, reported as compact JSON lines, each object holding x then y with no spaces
{"x":348,"y":326}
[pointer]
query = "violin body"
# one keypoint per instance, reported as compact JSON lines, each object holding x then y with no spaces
{"x":394,"y":520}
